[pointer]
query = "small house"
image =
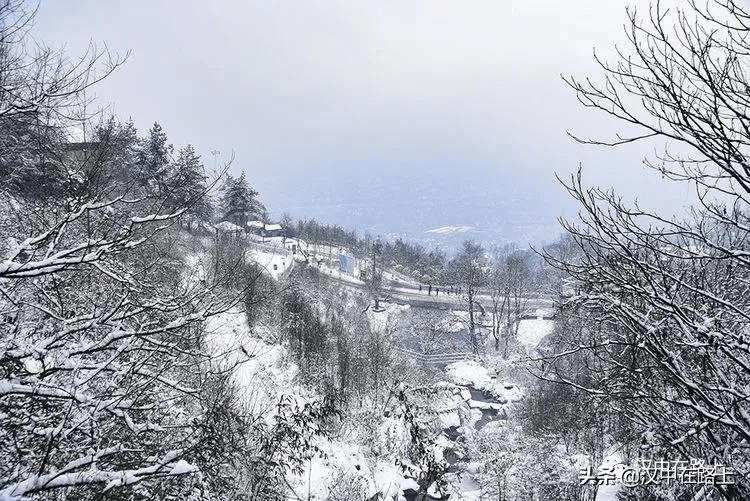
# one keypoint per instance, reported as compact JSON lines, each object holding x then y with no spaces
{"x":272,"y":230}
{"x":255,"y":227}
{"x":227,"y":228}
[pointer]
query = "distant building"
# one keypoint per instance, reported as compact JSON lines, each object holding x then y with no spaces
{"x":294,"y":245}
{"x":255,"y":227}
{"x":82,"y":154}
{"x":227,"y":228}
{"x":79,"y":154}
{"x":272,"y":230}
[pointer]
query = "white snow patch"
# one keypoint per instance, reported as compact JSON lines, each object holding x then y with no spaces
{"x":448,"y":230}
{"x":466,"y":489}
{"x":275,"y":263}
{"x":449,"y":419}
{"x":474,"y":374}
{"x":228,"y":227}
{"x":33,"y":366}
{"x":264,"y":371}
{"x":469,"y":373}
{"x":532,"y":331}
{"x":609,"y":492}
{"x":182,"y":467}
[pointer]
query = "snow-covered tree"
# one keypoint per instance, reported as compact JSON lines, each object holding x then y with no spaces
{"x":39,"y":81}
{"x":374,"y":282}
{"x":508,"y":283}
{"x":240,"y":202}
{"x":101,"y":380}
{"x":663,"y":300}
{"x":113,"y":160}
{"x":188,"y":187}
{"x":28,"y":163}
{"x":154,"y":162}
{"x":469,"y":269}
{"x":423,"y":461}
{"x":106,"y":388}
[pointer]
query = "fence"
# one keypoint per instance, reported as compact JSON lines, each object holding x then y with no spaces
{"x":437,"y":358}
{"x":269,"y":248}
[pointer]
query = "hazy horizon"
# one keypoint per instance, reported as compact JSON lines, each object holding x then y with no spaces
{"x":446,"y":106}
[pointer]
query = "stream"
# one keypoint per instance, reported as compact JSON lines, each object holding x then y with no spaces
{"x":491,"y":408}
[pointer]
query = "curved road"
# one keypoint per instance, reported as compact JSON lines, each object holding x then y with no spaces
{"x":403,"y":293}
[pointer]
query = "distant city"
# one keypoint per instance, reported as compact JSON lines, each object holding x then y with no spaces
{"x":441,"y":210}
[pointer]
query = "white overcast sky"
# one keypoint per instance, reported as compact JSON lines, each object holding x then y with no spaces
{"x":399,"y":86}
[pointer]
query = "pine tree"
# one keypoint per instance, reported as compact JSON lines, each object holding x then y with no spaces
{"x":154,"y":165}
{"x":119,"y":149}
{"x":240,"y":202}
{"x":187,"y":186}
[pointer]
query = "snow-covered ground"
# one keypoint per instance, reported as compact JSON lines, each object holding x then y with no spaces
{"x":532,"y":331}
{"x":262,"y":371}
{"x":265,"y":371}
{"x":276,"y":263}
{"x":609,"y":492}
{"x":474,"y":374}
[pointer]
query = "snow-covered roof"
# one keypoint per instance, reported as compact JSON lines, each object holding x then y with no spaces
{"x":255,"y":224}
{"x":227,"y":226}
{"x":273,"y":227}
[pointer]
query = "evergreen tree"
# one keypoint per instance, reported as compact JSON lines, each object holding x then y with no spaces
{"x":154,"y":165}
{"x":240,"y":202}
{"x":188,"y":185}
{"x":119,"y":150}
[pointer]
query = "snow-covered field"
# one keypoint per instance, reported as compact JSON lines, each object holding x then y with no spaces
{"x":447,"y":230}
{"x":532,"y":331}
{"x":261,"y":370}
{"x":276,"y":263}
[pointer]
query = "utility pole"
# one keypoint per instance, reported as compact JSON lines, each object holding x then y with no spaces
{"x":215,"y":153}
{"x":377,"y":246}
